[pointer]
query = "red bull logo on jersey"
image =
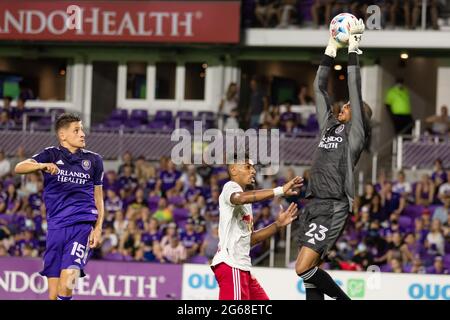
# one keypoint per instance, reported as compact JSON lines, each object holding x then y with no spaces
{"x":248,"y":220}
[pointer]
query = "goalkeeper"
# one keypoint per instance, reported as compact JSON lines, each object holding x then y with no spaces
{"x":331,"y":188}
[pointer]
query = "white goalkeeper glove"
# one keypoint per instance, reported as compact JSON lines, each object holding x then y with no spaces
{"x":332,"y":48}
{"x":356,"y":31}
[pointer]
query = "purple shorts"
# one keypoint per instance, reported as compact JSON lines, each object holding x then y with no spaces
{"x":67,"y":248}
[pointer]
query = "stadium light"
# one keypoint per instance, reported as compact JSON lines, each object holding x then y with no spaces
{"x":338,"y":67}
{"x":404,"y":56}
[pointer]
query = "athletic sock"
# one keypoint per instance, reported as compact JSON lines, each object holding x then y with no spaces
{"x":323,"y":281}
{"x":312,"y":293}
{"x":63,"y":298}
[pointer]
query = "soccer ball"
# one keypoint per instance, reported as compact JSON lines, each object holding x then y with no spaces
{"x":340,"y":28}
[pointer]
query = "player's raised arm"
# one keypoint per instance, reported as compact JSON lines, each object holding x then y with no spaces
{"x":284,"y":218}
{"x":288,"y":189}
{"x":323,"y":105}
{"x":31,"y":165}
{"x":357,"y":133}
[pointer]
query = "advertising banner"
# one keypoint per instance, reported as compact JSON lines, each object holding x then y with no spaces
{"x":124,"y":21}
{"x":284,"y":284}
{"x":19,"y":279}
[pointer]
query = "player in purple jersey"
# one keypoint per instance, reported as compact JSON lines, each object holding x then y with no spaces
{"x":73,"y":197}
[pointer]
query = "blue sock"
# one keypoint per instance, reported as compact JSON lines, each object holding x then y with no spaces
{"x":63,"y":298}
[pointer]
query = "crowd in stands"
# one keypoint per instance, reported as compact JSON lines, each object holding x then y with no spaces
{"x":158,"y":212}
{"x":318,"y":13}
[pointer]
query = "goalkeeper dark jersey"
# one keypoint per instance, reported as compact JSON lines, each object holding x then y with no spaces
{"x":340,"y":145}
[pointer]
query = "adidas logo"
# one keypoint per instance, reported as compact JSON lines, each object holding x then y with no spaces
{"x":60,"y":162}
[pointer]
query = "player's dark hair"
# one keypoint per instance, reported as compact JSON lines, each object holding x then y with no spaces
{"x":65,"y":119}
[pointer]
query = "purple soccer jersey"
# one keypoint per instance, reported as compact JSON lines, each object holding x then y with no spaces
{"x":69,"y":195}
{"x":188,"y":240}
{"x":169,"y":179}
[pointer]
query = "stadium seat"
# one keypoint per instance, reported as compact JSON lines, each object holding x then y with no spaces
{"x":185,"y":115}
{"x":139,"y":115}
{"x":119,"y":115}
{"x":164,"y":116}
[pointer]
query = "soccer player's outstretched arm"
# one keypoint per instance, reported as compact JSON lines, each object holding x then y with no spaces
{"x":284,"y":218}
{"x":244,"y":197}
{"x":357,"y":133}
{"x":40,"y":161}
{"x":323,"y":105}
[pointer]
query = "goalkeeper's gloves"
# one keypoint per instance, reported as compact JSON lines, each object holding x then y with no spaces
{"x":332,"y":48}
{"x":356,"y":30}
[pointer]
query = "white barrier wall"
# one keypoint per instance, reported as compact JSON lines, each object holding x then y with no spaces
{"x":283,"y":284}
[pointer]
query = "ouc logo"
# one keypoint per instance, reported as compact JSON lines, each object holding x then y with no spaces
{"x":197,"y":281}
{"x":429,"y":291}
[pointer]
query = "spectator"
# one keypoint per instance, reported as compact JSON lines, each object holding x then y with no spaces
{"x":420,"y":231}
{"x":127,"y":180}
{"x":7,"y":104}
{"x":169,"y":176}
{"x":5,"y":121}
{"x":393,"y":203}
{"x":439,"y":175}
{"x":5,"y":165}
{"x":12,"y":202}
{"x":113,"y":203}
{"x":210,"y":244}
{"x":190,"y":239}
{"x":435,"y":241}
{"x":402,"y":187}
{"x":120,"y":224}
{"x":321,"y":8}
{"x":174,"y":252}
{"x":164,"y":213}
{"x":288,"y":114}
{"x":417,"y":266}
{"x":110,"y":240}
{"x":228,"y":108}
{"x":369,"y":193}
{"x":432,"y":8}
{"x":441,"y":213}
{"x":127,"y":160}
{"x":303,"y":96}
{"x":438,"y":266}
{"x":399,"y":106}
{"x":440,"y":124}
{"x":396,"y":266}
{"x":170,"y":231}
{"x":265,"y":11}
{"x":110,"y":181}
{"x":444,"y":189}
{"x":139,"y":200}
{"x":19,"y":111}
{"x":410,"y":248}
{"x":425,"y":191}
{"x":258,"y":103}
{"x":286,"y":13}
{"x":271,"y":117}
